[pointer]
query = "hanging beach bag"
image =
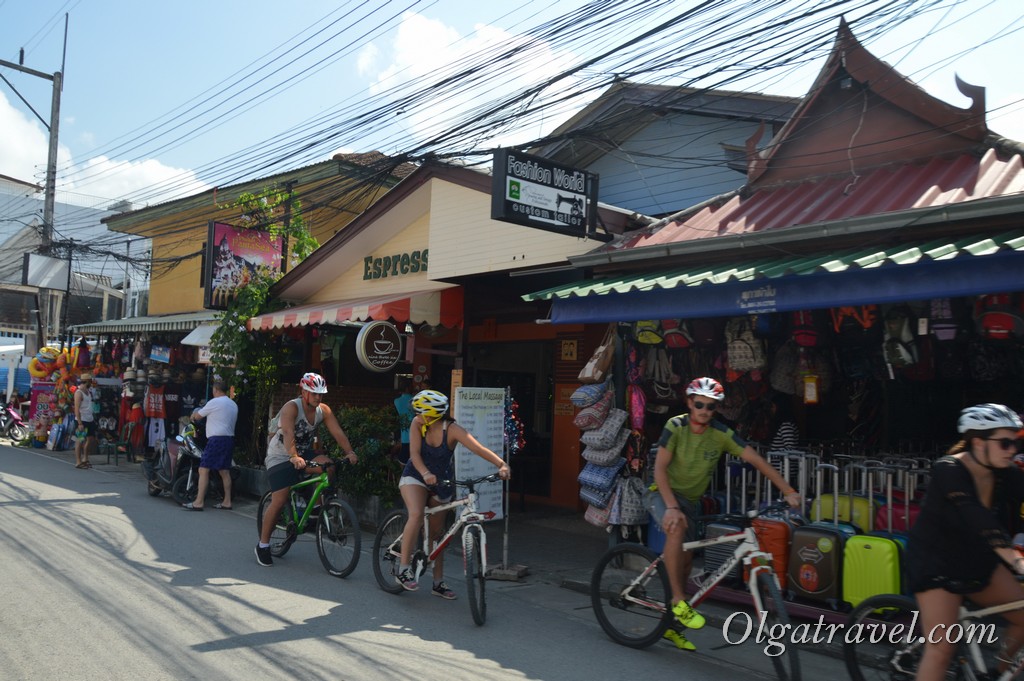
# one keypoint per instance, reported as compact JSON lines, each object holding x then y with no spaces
{"x":607,"y":456}
{"x":596,"y":368}
{"x":604,"y":436}
{"x":597,"y":497}
{"x":600,"y":478}
{"x":597,"y":516}
{"x":744,"y":351}
{"x":588,"y":394}
{"x":631,"y":502}
{"x":593,"y":416}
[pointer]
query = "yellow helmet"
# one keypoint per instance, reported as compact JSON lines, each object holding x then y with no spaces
{"x":431,"y":405}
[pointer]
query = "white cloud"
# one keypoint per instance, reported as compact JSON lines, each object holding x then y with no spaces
{"x":23,"y":155}
{"x":426,"y":49}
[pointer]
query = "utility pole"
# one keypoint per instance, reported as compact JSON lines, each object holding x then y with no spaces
{"x":50,"y":189}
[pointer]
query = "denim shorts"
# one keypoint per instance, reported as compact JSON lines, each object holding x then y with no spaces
{"x":656,"y":507}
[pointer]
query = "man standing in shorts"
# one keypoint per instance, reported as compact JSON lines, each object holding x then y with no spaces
{"x":220,"y":412}
{"x":688,"y":454}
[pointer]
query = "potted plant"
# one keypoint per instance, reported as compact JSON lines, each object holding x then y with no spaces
{"x":372,"y":484}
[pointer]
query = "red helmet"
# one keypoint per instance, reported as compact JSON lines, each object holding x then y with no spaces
{"x":707,"y":387}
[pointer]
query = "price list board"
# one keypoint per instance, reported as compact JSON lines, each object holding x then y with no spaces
{"x":481,"y":411}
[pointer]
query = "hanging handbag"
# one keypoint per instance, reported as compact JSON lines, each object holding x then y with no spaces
{"x":588,"y":394}
{"x":597,"y":497}
{"x":593,"y":416}
{"x":600,"y":478}
{"x":597,"y":516}
{"x":604,"y":436}
{"x":596,"y":368}
{"x":630,"y":501}
{"x":607,"y":456}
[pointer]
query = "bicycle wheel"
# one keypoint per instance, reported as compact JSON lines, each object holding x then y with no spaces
{"x":631,"y":610}
{"x":387,"y":548}
{"x":475,"y":573}
{"x":787,"y":662}
{"x":338,"y":538}
{"x":872,"y":654}
{"x":283,"y":535}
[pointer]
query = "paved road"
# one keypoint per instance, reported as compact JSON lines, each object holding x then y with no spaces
{"x":100,"y":581}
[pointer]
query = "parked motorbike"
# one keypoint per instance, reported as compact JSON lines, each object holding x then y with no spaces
{"x":11,"y":424}
{"x":162,"y":470}
{"x":186,"y":486}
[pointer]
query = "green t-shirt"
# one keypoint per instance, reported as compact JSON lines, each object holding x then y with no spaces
{"x":694,"y":457}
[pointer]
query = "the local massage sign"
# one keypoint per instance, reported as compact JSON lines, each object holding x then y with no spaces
{"x":379,"y":346}
{"x":395,"y":265}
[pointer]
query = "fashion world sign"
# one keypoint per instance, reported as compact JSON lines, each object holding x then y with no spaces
{"x":534,"y":192}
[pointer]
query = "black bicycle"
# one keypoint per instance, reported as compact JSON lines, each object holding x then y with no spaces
{"x":338,"y":537}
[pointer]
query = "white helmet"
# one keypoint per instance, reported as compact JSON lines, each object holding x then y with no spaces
{"x":314,"y":383}
{"x":707,"y":387}
{"x":987,"y":417}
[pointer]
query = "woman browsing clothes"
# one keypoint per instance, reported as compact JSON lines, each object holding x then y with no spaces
{"x":426,"y":478}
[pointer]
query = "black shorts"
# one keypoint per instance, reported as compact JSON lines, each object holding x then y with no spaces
{"x":90,"y":428}
{"x":284,"y":475}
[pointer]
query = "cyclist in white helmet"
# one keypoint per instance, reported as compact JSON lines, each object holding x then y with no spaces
{"x":688,"y":452}
{"x":432,"y":439}
{"x":960,"y":545}
{"x":290,"y":448}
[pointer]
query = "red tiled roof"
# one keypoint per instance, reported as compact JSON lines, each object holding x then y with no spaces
{"x":938,"y":182}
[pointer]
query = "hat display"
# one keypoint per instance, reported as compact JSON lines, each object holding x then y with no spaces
{"x":85,"y":377}
{"x":129,"y":374}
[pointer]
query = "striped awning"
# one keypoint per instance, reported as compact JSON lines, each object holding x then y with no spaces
{"x":437,"y":308}
{"x":171,"y":322}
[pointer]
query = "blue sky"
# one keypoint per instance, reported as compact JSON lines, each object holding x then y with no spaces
{"x":131,"y":66}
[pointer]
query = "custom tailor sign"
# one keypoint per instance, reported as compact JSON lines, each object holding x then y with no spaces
{"x":532,"y":191}
{"x":379,"y":346}
{"x":233,"y":256}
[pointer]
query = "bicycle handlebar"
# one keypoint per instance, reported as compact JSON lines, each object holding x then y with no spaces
{"x":774,"y":507}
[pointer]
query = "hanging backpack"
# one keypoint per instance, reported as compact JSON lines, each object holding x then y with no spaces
{"x":767,"y":325}
{"x":944,"y":319}
{"x":744,"y":352}
{"x":675,"y":334}
{"x":805,"y":328}
{"x":855,"y":324}
{"x":647,"y":331}
{"x":898,"y":346}
{"x":998,"y":316}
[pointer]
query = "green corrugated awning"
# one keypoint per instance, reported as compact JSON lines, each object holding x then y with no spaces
{"x":767,"y":269}
{"x":171,"y":322}
{"x":930,"y":269}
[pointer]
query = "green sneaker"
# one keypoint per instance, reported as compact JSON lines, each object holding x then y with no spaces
{"x":679,"y":640}
{"x":687,"y":616}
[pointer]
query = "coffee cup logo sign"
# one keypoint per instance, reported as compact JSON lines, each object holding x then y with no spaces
{"x":379,"y":346}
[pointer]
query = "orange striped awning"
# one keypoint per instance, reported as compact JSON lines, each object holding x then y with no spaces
{"x":442,"y":308}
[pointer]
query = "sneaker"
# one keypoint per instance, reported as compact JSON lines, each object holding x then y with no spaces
{"x":687,"y":616}
{"x":441,"y":589}
{"x":263,"y":556}
{"x":406,"y":579}
{"x":679,"y":640}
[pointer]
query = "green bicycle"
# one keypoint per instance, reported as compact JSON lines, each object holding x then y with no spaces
{"x":338,"y":537}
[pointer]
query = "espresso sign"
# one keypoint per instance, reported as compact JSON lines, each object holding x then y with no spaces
{"x":379,"y":346}
{"x":532,"y":191}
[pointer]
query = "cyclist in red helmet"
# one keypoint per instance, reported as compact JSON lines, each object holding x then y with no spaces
{"x":688,"y":452}
{"x":290,"y":448}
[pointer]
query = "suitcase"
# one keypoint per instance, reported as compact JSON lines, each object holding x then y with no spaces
{"x":900,"y":516}
{"x":872,"y":565}
{"x":816,"y":553}
{"x":716,"y":556}
{"x":775,"y":536}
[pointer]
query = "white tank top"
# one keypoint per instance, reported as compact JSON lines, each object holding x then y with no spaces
{"x":304,"y":432}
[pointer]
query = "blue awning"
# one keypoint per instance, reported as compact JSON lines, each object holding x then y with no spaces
{"x":970,"y":266}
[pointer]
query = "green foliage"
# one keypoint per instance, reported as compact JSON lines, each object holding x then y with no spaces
{"x":247,"y":359}
{"x":371,"y":431}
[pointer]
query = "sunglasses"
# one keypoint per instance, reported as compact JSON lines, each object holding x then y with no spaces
{"x":710,"y":406}
{"x":1006,"y":443}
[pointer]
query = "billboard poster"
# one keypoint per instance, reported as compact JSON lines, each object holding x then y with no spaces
{"x":233,"y":256}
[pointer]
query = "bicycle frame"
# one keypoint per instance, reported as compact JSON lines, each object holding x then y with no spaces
{"x":748,"y":551}
{"x":469,"y":516}
{"x":322,"y":482}
{"x":975,"y":667}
